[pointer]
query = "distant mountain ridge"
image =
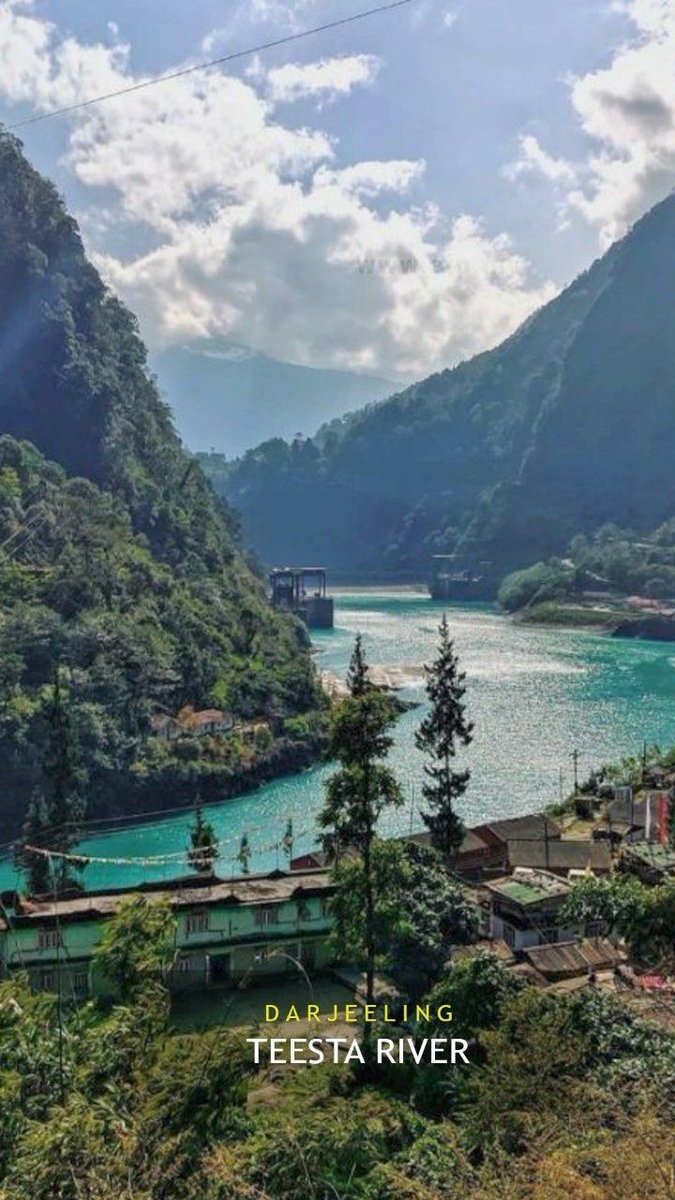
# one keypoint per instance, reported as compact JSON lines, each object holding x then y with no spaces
{"x":563,"y":427}
{"x":227,"y":398}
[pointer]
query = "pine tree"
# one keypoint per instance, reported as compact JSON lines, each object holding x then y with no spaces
{"x":35,"y":833}
{"x":358,"y":681}
{"x":56,"y":810}
{"x":204,"y":843}
{"x":363,"y":786}
{"x":444,"y":729}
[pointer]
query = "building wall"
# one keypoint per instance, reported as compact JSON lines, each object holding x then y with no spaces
{"x":534,"y":935}
{"x":215,"y":945}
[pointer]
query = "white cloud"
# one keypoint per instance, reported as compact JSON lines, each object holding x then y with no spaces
{"x":371,"y":178}
{"x":533,"y":158}
{"x":254,"y":231}
{"x":627,"y":112}
{"x":450,"y":18}
{"x":329,"y":78}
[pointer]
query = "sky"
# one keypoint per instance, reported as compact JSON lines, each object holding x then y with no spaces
{"x":387,"y":198}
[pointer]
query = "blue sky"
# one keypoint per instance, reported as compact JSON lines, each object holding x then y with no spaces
{"x":494,"y":147}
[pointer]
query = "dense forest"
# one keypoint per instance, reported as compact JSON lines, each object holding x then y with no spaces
{"x":502,"y":459}
{"x":122,"y":579}
{"x":611,"y":561}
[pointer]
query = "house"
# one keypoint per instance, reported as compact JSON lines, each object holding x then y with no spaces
{"x":650,"y":861}
{"x":569,"y":960}
{"x":165,"y":726}
{"x":205,"y":721}
{"x":562,"y":856}
{"x":309,"y":861}
{"x":534,"y":827}
{"x":480,"y":850}
{"x":486,"y":847}
{"x":191,"y":723}
{"x":525,"y":909}
{"x":625,"y":820}
{"x":227,"y":931}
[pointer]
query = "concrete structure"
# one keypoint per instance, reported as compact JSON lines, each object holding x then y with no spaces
{"x":453,"y":579}
{"x":302,"y":590}
{"x":257,"y":925}
{"x":525,"y":909}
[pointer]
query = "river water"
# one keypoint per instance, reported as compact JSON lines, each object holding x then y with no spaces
{"x":534,"y":694}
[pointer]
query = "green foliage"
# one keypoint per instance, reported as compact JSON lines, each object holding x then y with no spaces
{"x":137,"y":946}
{"x":644,"y":916}
{"x":443,"y":730}
{"x":358,"y":793}
{"x":610,"y":559}
{"x":120,"y":567}
{"x":535,"y":585}
{"x":420,"y":913}
{"x":204,"y":849}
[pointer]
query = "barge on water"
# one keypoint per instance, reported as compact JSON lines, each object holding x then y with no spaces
{"x":302,"y":590}
{"x":450,"y":580}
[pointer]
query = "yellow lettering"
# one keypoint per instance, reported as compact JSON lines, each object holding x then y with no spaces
{"x":271,"y":1012}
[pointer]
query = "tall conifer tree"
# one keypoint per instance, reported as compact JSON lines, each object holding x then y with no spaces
{"x":204,"y":848}
{"x":56,"y":808}
{"x":363,"y":786}
{"x":442,"y":732}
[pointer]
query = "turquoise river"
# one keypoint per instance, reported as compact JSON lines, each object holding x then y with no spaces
{"x":534,"y":694}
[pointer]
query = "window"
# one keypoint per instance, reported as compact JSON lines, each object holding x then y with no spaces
{"x":183,"y":965}
{"x":47,"y":981}
{"x":548,"y":936}
{"x":81,"y":982}
{"x":509,"y":935}
{"x":267,"y":914}
{"x":49,"y":939}
{"x":198,"y":922}
{"x":596,"y":929}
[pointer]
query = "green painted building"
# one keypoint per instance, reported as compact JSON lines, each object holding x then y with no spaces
{"x":226,"y":931}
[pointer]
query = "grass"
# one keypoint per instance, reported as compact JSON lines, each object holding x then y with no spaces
{"x":550,"y":613}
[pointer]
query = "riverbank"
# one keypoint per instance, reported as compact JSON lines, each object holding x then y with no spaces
{"x":617,"y":622}
{"x":535,"y":693}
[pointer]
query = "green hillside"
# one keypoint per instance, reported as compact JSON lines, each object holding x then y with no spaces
{"x":120,"y":569}
{"x":557,"y":431}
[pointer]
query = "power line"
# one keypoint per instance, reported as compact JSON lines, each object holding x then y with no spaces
{"x":214,"y":62}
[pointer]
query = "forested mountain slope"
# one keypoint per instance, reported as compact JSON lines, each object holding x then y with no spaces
{"x":565,"y":426}
{"x":120,"y":570}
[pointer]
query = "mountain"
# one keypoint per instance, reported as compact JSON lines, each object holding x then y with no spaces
{"x":121,"y":572}
{"x":227,"y":398}
{"x":565,"y":426}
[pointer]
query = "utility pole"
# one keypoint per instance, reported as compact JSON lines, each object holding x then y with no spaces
{"x":644,"y":760}
{"x":575,"y":760}
{"x":412,"y":806}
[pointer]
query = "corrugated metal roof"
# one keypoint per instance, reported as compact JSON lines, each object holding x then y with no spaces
{"x":563,"y":855}
{"x":574,"y":958}
{"x":255,"y":890}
